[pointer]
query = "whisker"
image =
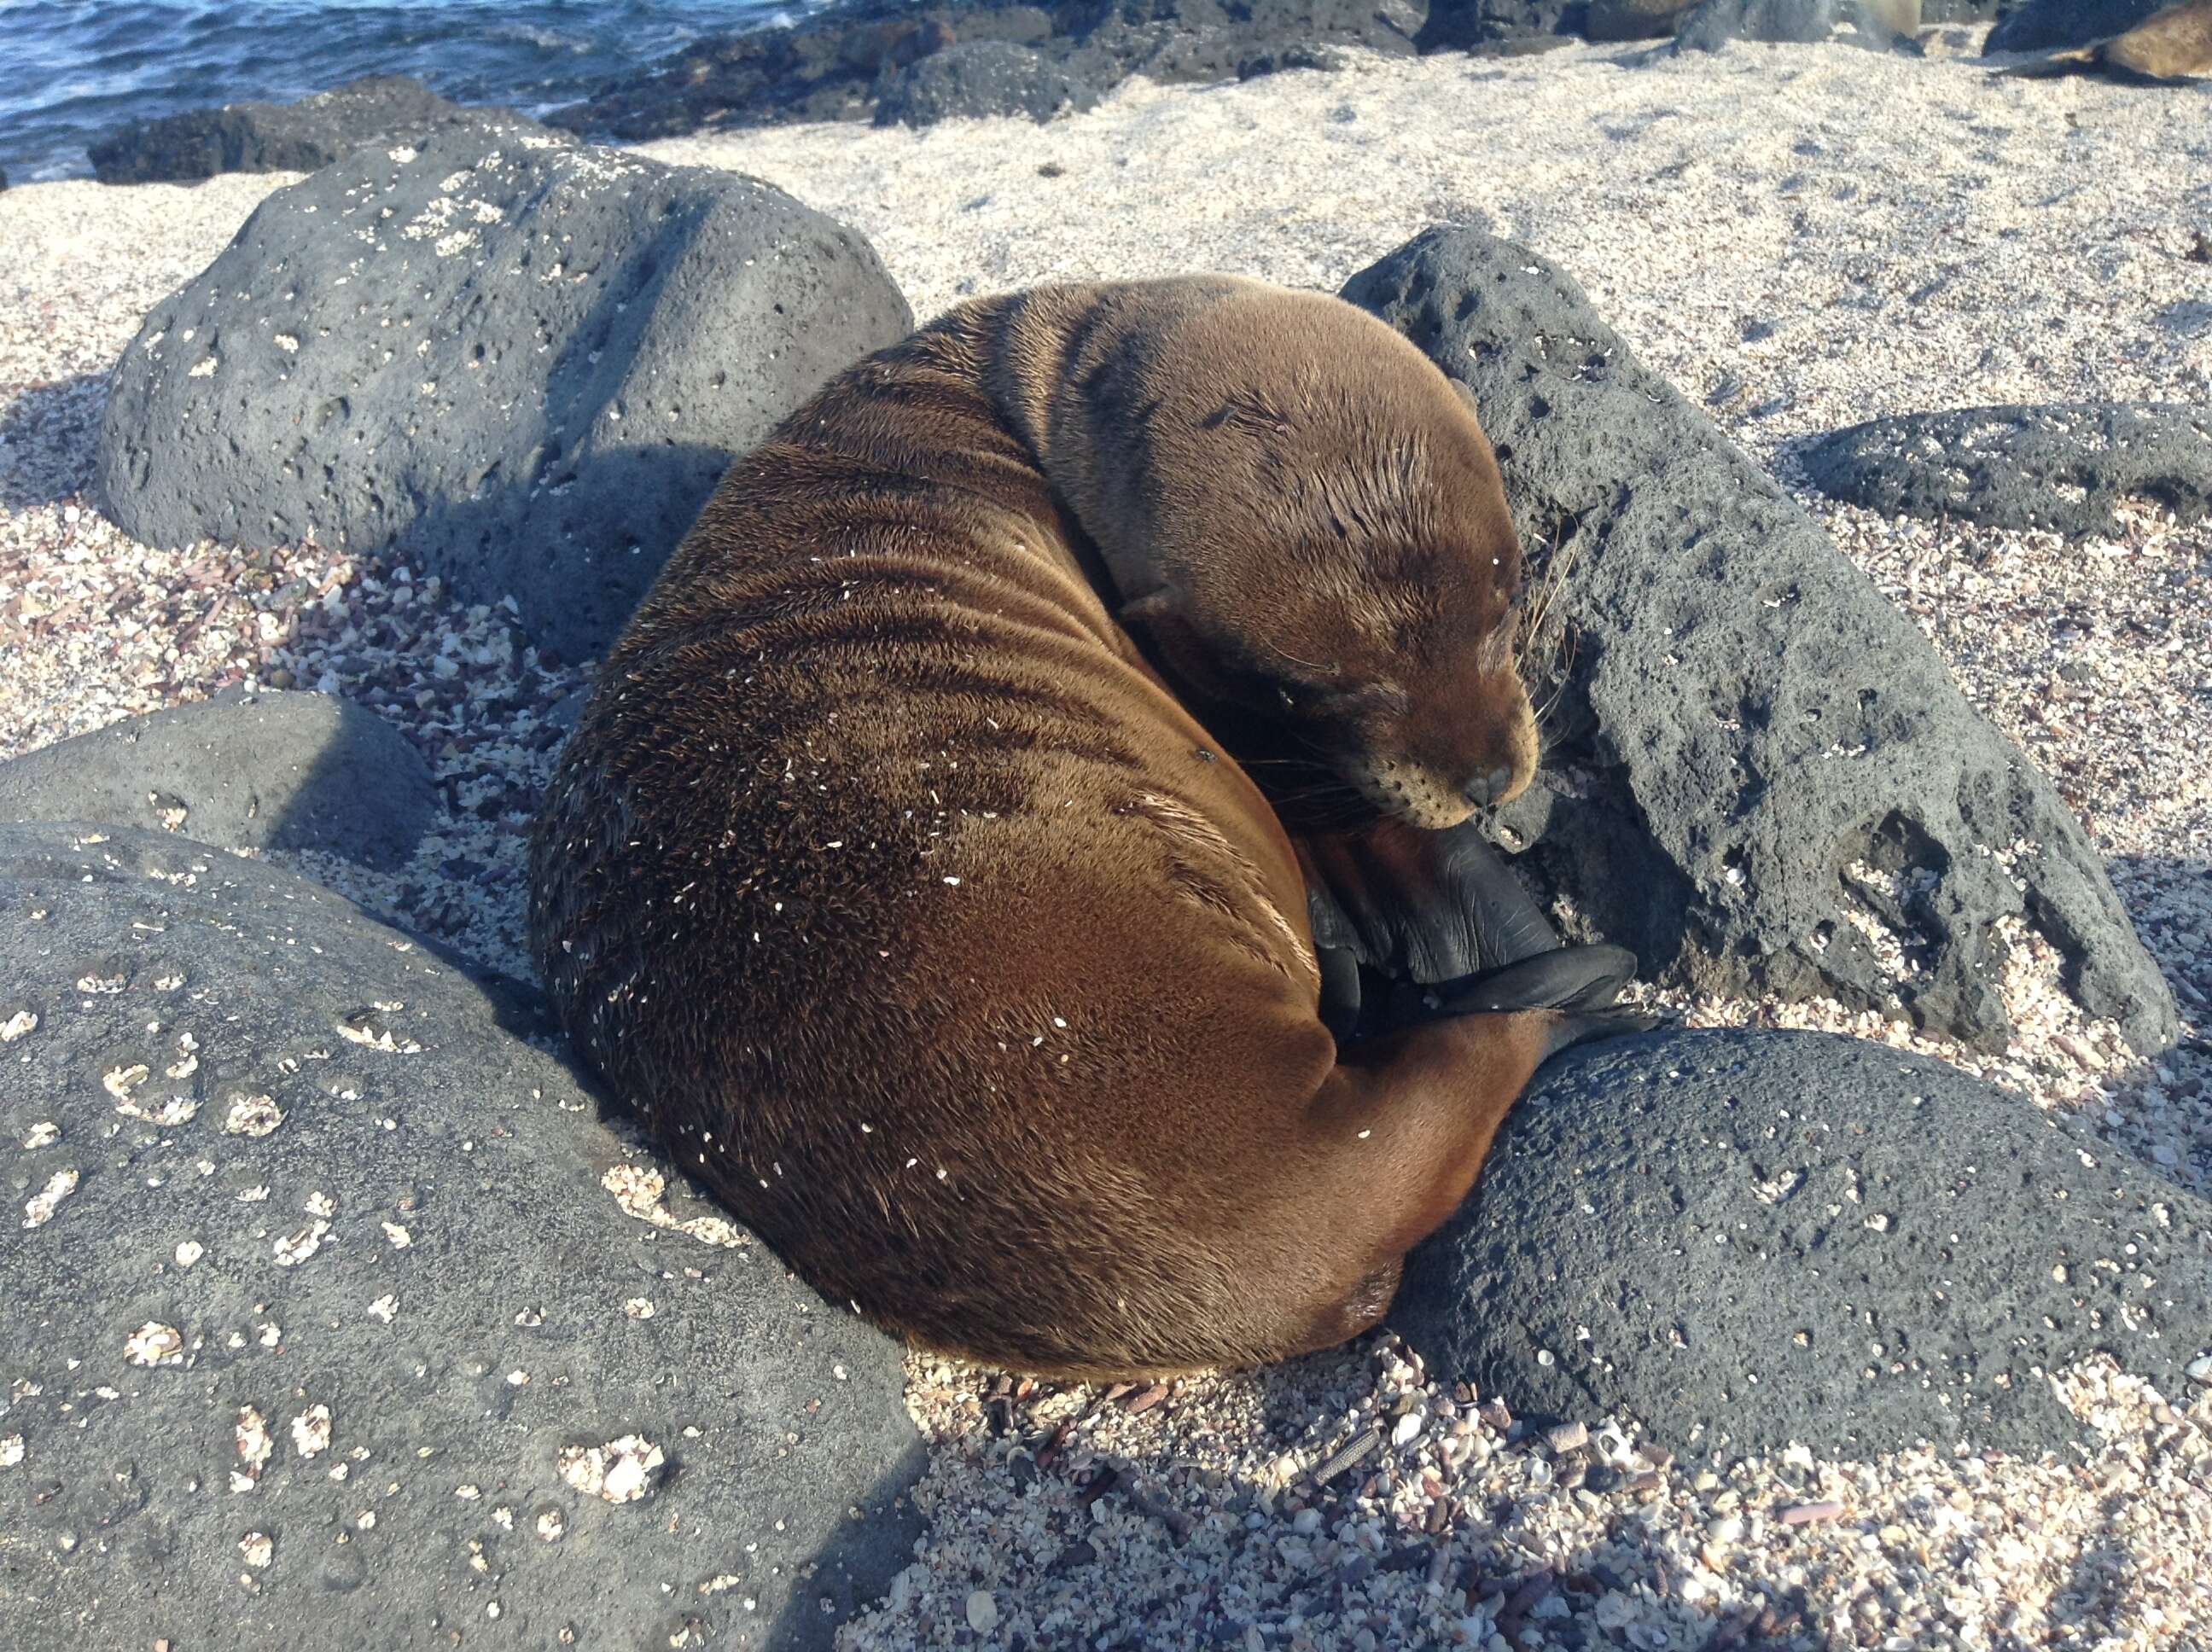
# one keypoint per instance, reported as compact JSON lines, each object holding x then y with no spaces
{"x":1538,"y":612}
{"x":1281,"y":653}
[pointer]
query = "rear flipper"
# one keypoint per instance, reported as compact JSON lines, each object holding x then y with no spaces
{"x":1566,"y":978}
{"x":1582,"y":982}
{"x":1410,"y":925}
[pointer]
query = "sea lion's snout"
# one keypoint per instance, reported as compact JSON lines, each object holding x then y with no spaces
{"x":1485,"y":790}
{"x":1504,"y":760}
{"x":1463,"y":742}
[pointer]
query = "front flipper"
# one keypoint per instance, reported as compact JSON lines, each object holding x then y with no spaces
{"x":1425,"y":906}
{"x":1342,"y":990}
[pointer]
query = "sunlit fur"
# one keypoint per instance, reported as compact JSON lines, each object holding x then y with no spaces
{"x":1380,"y":562}
{"x":906,"y":897}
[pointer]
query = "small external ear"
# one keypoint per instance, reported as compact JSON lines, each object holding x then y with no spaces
{"x":1165,"y":634}
{"x":1151,"y":606}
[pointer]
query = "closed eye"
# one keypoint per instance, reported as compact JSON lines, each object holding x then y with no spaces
{"x":1336,"y":700}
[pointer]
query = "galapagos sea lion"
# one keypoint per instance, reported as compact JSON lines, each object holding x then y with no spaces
{"x":893,"y":874}
{"x":2175,"y":44}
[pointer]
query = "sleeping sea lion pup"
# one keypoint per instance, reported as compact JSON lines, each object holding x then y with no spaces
{"x":902,"y":890}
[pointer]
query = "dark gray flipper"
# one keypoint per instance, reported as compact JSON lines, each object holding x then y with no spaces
{"x":1425,"y":906}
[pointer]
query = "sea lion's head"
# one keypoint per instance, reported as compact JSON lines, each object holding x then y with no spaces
{"x":1308,"y":526}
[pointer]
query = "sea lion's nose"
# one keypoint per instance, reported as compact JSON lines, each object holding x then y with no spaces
{"x":1485,"y":789}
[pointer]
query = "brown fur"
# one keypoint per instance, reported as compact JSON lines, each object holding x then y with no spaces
{"x":2169,"y":45}
{"x":894,"y":882}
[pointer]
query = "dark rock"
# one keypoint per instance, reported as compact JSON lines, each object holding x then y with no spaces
{"x":1723,"y":1234}
{"x":497,"y":1322}
{"x":1712,"y":24}
{"x":2063,"y":467}
{"x":1633,"y":20}
{"x":1204,"y":41}
{"x":836,"y":65}
{"x":1326,"y":59}
{"x":302,"y":137}
{"x":526,"y":361}
{"x":2049,"y":25}
{"x":1461,"y":25}
{"x":240,"y":771}
{"x":1522,"y":45}
{"x":824,"y":68}
{"x":1871,"y":22}
{"x":1761,"y":776}
{"x":981,"y":78}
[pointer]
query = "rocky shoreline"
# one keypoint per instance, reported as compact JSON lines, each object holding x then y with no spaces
{"x":895,"y":63}
{"x":233,"y":1084}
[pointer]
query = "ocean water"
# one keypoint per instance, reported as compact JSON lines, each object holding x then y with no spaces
{"x":70,"y":68}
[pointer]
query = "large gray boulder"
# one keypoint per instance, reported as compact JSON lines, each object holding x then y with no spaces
{"x":324,"y":1326}
{"x":525,"y":361}
{"x":240,"y":771}
{"x":1760,"y":777}
{"x":1743,"y":1239}
{"x":179,"y":148}
{"x":2063,"y":467}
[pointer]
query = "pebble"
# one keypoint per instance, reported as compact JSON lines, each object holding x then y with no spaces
{"x":1149,"y":1398}
{"x":1812,"y":1513}
{"x":1567,"y":1436}
{"x":983,"y":1612}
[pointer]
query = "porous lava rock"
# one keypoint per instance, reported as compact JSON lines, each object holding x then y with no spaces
{"x":1744,"y":1239}
{"x":1759,"y":775}
{"x":264,"y":770}
{"x":978,"y":79}
{"x":301,"y":136}
{"x":2063,"y":466}
{"x":336,"y":1315}
{"x":524,"y":361}
{"x":837,"y":65}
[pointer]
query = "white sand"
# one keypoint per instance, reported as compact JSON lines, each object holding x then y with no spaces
{"x":1899,"y":235}
{"x":1920,"y":235}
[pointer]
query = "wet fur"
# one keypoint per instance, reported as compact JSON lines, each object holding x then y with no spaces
{"x":894,"y":879}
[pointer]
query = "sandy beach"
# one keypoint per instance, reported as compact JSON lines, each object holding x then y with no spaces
{"x":1798,"y":237}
